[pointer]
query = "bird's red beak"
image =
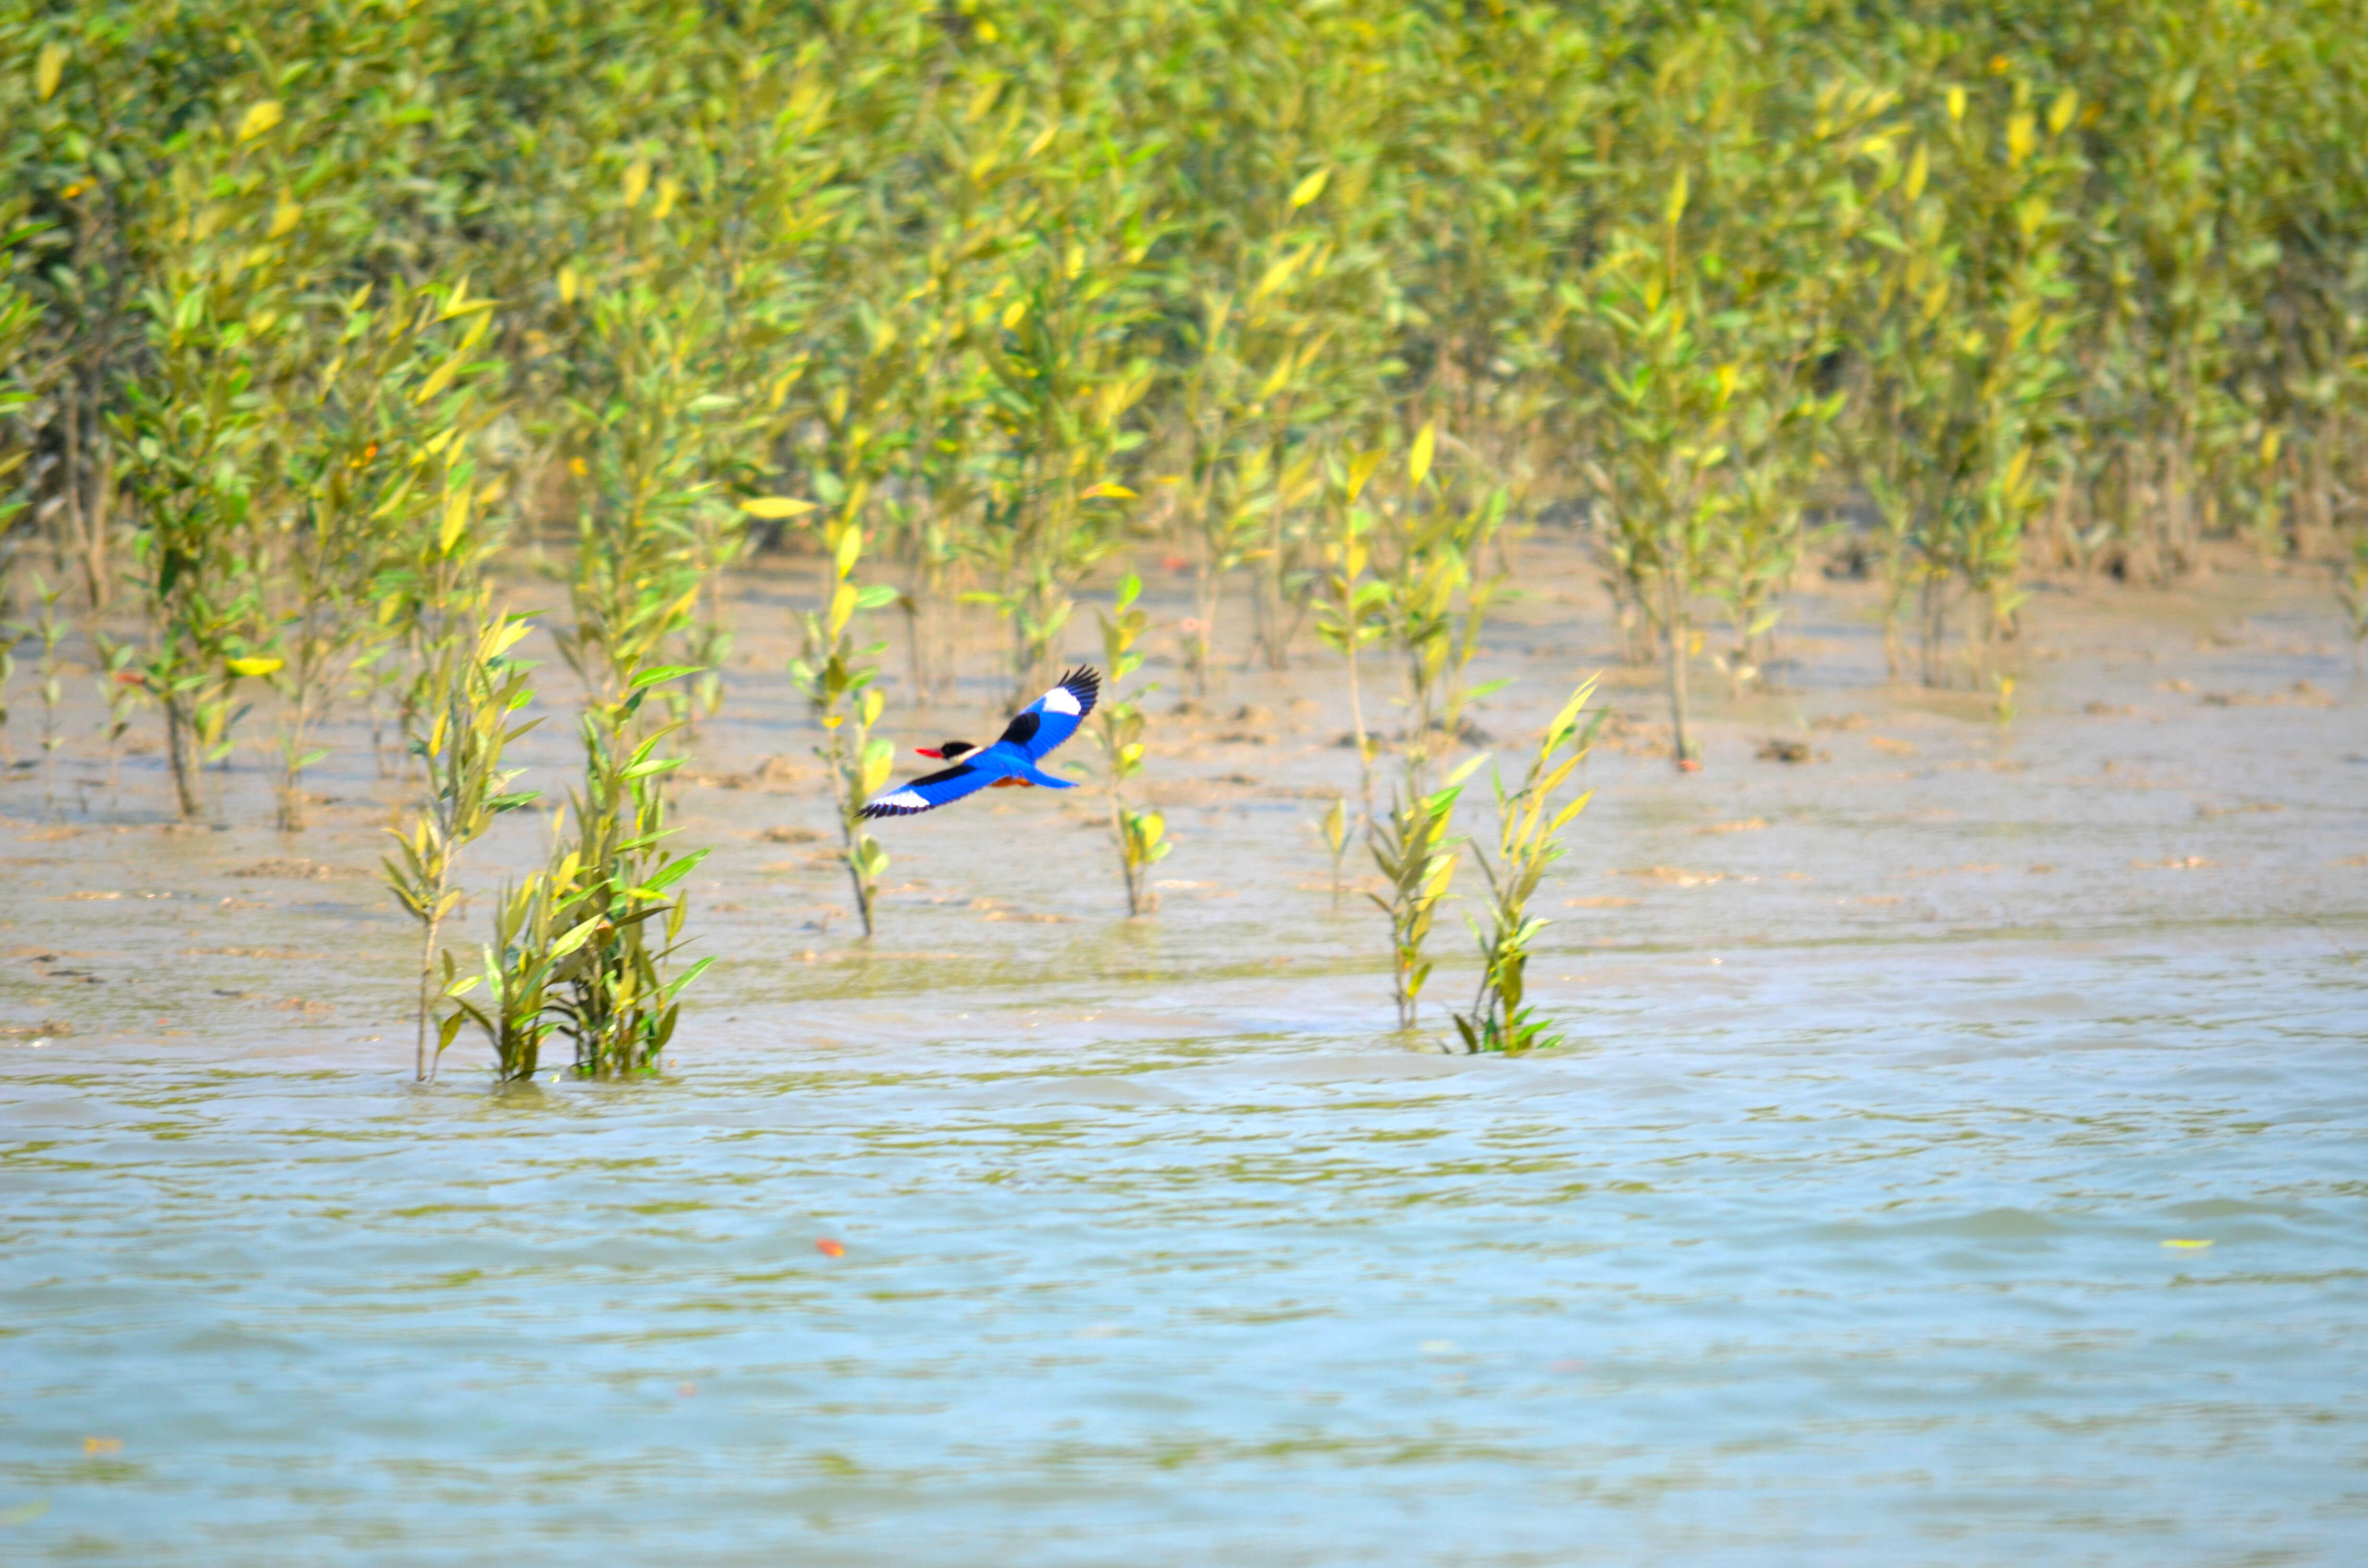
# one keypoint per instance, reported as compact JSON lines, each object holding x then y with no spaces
{"x":929,"y":751}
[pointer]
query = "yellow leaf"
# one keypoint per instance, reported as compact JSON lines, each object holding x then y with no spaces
{"x":1678,"y":189}
{"x":1419,"y":461}
{"x":285,"y":216}
{"x":775,"y":507}
{"x":668,"y":188}
{"x":2022,"y":136}
{"x":504,"y":637}
{"x":456,"y":519}
{"x":1111,"y":489}
{"x":1920,"y":168}
{"x":834,"y":720}
{"x":570,"y":285}
{"x":637,"y":181}
{"x":256,"y":667}
{"x":49,"y":67}
{"x":1311,"y":187}
{"x":1361,"y":468}
{"x":847,"y":551}
{"x":260,"y":117}
{"x":437,"y":379}
{"x":1956,"y":106}
{"x":2060,"y":112}
{"x":1277,"y":273}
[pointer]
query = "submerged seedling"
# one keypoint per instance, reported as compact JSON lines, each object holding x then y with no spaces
{"x":471,"y":692}
{"x":1336,"y":839}
{"x":616,"y":1000}
{"x":1417,"y":861}
{"x":1529,"y":829}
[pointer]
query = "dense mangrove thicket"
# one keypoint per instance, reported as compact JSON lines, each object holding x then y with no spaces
{"x":312,"y":312}
{"x":297,"y":295}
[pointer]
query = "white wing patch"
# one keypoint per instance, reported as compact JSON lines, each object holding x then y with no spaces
{"x":906,"y":800}
{"x":1059,"y":699}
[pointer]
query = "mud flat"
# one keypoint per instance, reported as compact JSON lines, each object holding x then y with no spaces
{"x":1956,"y":1159}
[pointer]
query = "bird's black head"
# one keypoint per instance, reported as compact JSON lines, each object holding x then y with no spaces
{"x":948,"y":752}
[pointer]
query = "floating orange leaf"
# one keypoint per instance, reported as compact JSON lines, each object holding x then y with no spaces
{"x":830,"y":1248}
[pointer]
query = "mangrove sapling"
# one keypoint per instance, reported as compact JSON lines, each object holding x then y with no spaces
{"x":1528,"y":841}
{"x":1481,"y":525}
{"x":1352,"y":609}
{"x":1336,"y":839}
{"x":522,"y":966}
{"x":1118,"y":725}
{"x":1780,"y":435}
{"x":119,"y":692}
{"x":1960,"y":349}
{"x":529,"y":961}
{"x":617,"y":1003}
{"x":1428,"y":570}
{"x":395,"y":404}
{"x":471,"y":692}
{"x":51,"y":628}
{"x":1066,"y":380}
{"x":191,"y":436}
{"x":839,"y":680}
{"x":1670,"y":403}
{"x":1417,"y":860}
{"x":651,"y":425}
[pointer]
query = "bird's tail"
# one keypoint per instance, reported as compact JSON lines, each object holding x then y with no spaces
{"x":1035,"y":774}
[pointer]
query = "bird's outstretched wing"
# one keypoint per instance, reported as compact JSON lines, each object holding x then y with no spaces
{"x":932,"y":791}
{"x":1054,"y":717}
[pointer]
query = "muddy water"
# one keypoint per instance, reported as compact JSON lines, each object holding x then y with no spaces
{"x":1841,"y":1233}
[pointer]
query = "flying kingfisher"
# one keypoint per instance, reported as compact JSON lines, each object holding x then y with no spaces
{"x":1011,"y":761}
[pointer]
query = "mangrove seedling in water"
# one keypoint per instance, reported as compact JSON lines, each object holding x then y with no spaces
{"x":618,"y":1005}
{"x":1528,"y":841}
{"x":529,"y":958}
{"x":472,"y":691}
{"x":1118,"y":725}
{"x":1336,"y":839}
{"x":1417,"y":860}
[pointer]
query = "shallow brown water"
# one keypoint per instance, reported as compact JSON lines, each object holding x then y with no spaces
{"x":1838,"y":1235}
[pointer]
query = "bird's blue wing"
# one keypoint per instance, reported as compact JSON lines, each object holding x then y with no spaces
{"x":1054,"y":717}
{"x":932,"y":791}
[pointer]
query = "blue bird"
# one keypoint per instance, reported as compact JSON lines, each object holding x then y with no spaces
{"x":1011,"y":761}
